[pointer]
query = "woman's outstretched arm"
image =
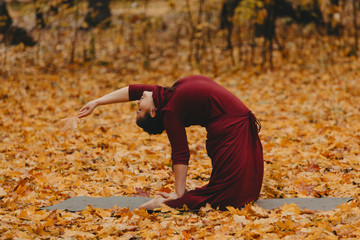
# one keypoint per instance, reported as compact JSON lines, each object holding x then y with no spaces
{"x":118,"y":96}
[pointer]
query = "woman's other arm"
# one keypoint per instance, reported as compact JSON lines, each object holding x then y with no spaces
{"x":180,"y":153}
{"x":180,"y":172}
{"x":118,"y":96}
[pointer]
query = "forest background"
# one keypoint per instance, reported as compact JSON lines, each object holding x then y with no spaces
{"x":293,"y":62}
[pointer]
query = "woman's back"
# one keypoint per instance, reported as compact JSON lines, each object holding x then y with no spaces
{"x":199,"y":100}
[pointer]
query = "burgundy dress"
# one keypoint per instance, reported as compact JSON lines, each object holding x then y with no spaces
{"x":232,"y":144}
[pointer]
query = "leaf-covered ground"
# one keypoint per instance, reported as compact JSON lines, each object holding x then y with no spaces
{"x":310,"y":134}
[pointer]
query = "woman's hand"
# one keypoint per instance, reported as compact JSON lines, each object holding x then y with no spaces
{"x":87,"y":109}
{"x":156,"y":202}
{"x":169,"y":196}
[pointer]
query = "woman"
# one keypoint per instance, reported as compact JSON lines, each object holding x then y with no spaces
{"x":233,"y":144}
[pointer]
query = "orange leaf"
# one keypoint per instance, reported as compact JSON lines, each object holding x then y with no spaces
{"x":307,"y":189}
{"x":313,"y":167}
{"x":186,"y":235}
{"x":165,"y":189}
{"x":141,"y":193}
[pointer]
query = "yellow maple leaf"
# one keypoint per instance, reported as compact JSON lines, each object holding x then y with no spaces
{"x":291,"y":208}
{"x":69,"y":123}
{"x":165,"y":209}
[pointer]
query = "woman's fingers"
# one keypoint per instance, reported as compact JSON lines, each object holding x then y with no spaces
{"x":168,"y":196}
{"x":164,"y":194}
{"x":82,"y":113}
{"x":86,"y":110}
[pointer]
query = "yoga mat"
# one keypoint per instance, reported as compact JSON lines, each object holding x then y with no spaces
{"x":324,"y":204}
{"x":79,"y":203}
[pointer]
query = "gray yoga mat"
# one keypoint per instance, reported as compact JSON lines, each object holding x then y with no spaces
{"x":324,"y":204}
{"x":79,"y":203}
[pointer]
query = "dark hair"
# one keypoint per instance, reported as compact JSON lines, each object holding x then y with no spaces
{"x":151,"y":125}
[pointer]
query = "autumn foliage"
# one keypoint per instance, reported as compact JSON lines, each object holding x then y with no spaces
{"x":308,"y":107}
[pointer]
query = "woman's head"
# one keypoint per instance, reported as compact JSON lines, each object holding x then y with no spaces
{"x":147,"y":117}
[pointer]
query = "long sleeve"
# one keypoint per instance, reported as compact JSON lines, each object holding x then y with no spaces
{"x":175,"y":130}
{"x":136,"y":90}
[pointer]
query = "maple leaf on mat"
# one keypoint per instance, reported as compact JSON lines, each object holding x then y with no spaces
{"x":69,"y":123}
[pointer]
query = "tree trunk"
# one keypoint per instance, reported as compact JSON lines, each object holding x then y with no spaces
{"x":76,"y":30}
{"x":226,"y":19}
{"x":39,"y":16}
{"x":98,"y":13}
{"x":192,"y":32}
{"x":356,"y":46}
{"x":199,"y":33}
{"x":5,"y":19}
{"x":334,"y":25}
{"x":145,"y":43}
{"x":269,"y":30}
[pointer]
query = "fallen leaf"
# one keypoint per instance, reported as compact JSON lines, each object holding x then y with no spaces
{"x":69,"y":124}
{"x":141,"y":192}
